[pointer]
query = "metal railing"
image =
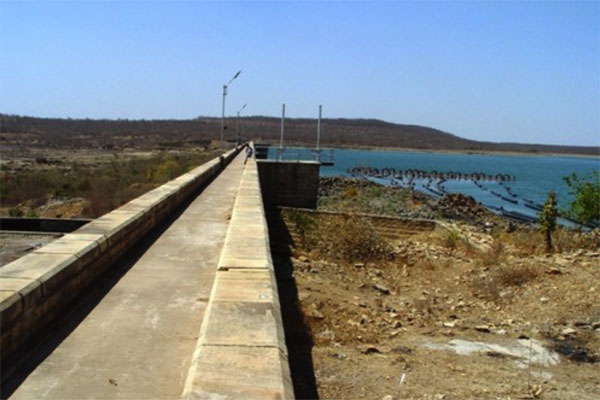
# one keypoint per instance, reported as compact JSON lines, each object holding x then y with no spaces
{"x":323,"y":155}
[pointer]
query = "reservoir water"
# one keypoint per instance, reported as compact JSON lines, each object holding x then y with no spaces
{"x":535,"y":176}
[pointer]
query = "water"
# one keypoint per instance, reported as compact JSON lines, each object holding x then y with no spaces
{"x":535,"y":176}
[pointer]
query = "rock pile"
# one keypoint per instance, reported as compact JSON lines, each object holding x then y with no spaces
{"x":459,"y":206}
{"x":333,"y":185}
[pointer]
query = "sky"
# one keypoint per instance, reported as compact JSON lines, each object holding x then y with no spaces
{"x":504,"y":71}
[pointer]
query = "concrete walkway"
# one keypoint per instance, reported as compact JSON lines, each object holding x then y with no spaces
{"x":138,"y":341}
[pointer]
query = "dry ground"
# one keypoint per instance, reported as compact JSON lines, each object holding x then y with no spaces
{"x":384,"y":317}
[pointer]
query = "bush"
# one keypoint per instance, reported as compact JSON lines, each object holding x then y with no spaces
{"x":566,"y":240}
{"x":548,"y":220}
{"x":350,"y":191}
{"x":15,"y":212}
{"x":354,"y":239}
{"x":585,"y":206}
{"x":451,"y":240}
{"x":516,"y":275}
{"x":339,"y":237}
{"x":305,"y":227}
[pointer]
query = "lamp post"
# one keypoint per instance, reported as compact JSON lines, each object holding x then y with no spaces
{"x":237,"y":131}
{"x":318,"y":151}
{"x":281,"y":138}
{"x":223,"y":108}
{"x":319,"y":127}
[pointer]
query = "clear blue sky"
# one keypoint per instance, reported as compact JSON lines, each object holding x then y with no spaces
{"x":498,"y":71}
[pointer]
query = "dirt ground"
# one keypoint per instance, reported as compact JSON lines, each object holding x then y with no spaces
{"x":463,"y":311}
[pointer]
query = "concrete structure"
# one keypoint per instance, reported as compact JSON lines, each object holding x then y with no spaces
{"x":289,"y":183}
{"x":241,"y":352}
{"x":137,"y":337}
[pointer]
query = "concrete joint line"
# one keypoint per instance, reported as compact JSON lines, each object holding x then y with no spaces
{"x":249,"y":269}
{"x":257,"y":346}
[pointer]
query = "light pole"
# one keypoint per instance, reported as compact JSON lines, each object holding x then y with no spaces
{"x":318,"y":151}
{"x":282,"y":123}
{"x":223,"y":108}
{"x":319,"y":127}
{"x":237,"y":131}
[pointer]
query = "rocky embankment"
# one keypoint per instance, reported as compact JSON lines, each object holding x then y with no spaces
{"x":459,"y":206}
{"x":360,"y":195}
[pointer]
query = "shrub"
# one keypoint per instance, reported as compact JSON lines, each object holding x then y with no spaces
{"x":451,"y":240}
{"x":346,"y":238}
{"x":585,"y":206}
{"x":353,"y":238}
{"x":350,"y":191}
{"x":516,"y":275}
{"x":548,"y":220}
{"x":305,"y":227}
{"x":15,"y":212}
{"x":566,"y":240}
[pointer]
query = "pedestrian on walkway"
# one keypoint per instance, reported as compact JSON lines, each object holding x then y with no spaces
{"x":248,"y":153}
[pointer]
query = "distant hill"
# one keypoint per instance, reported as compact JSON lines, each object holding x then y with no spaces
{"x":335,"y":133}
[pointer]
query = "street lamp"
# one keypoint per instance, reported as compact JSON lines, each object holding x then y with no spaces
{"x":237,"y":131}
{"x":282,"y":124}
{"x":223,"y":109}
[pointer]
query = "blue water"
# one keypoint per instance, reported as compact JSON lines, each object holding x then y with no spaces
{"x":535,"y":176}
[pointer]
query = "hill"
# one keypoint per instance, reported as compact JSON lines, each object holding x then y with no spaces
{"x":176,"y":133}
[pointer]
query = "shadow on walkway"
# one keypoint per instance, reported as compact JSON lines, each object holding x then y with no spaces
{"x":297,"y":337}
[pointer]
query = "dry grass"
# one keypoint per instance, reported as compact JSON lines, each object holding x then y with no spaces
{"x":354,"y":238}
{"x":350,"y":191}
{"x":489,"y":286}
{"x":569,"y":240}
{"x":486,"y":288}
{"x":426,"y":264}
{"x":494,"y":255}
{"x":345,"y":238}
{"x":526,"y":241}
{"x":450,"y":240}
{"x":530,"y":241}
{"x":516,"y":275}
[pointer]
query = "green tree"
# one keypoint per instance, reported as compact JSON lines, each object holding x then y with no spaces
{"x":548,"y":220}
{"x":585,"y":206}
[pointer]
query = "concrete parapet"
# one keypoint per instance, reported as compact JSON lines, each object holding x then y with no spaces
{"x":37,"y":287}
{"x":240,"y":372}
{"x":241,"y":351}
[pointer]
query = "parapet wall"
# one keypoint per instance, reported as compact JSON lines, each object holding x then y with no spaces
{"x":241,"y":351}
{"x":37,"y":287}
{"x":289,"y":183}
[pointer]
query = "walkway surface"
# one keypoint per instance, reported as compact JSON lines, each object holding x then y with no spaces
{"x":138,"y":341}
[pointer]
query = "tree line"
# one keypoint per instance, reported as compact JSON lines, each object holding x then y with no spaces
{"x":298,"y":131}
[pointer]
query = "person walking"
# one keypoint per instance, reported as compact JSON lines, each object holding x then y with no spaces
{"x":248,"y":153}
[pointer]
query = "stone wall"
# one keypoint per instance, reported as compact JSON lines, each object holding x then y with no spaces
{"x":289,"y":183}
